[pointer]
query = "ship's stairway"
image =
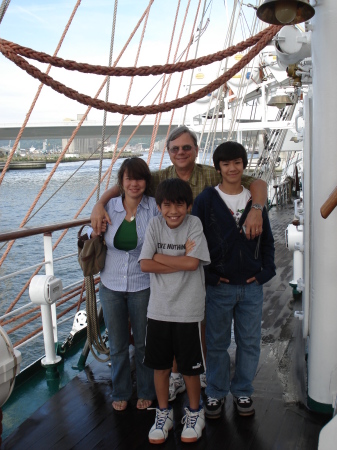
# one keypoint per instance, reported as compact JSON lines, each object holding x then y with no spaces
{"x":270,"y":156}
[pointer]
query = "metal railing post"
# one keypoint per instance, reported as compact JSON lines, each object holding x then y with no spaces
{"x":49,"y":268}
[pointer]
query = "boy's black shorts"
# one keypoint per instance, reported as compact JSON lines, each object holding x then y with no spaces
{"x":164,"y":340}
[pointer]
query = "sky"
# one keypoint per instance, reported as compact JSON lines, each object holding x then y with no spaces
{"x":39,"y":24}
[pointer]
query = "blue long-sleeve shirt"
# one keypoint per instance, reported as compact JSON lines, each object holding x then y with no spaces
{"x":233,"y":256}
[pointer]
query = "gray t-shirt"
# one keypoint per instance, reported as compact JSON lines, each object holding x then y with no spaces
{"x":179,"y":296}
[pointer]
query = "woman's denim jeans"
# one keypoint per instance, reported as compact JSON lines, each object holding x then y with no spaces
{"x":117,"y":307}
{"x":224,"y":303}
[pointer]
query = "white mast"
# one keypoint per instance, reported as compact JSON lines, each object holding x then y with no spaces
{"x":322,"y":361}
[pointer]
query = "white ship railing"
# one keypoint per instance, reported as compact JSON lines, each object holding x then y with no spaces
{"x":72,"y":291}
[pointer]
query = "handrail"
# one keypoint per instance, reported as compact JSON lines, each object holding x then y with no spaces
{"x":33,"y":231}
{"x":329,"y":205}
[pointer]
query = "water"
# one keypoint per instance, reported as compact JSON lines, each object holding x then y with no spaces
{"x":17,"y":192}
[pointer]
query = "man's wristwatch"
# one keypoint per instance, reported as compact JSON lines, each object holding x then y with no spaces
{"x":257,"y":206}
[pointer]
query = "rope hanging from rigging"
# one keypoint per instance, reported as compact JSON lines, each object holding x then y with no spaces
{"x":9,"y":48}
{"x":260,"y":40}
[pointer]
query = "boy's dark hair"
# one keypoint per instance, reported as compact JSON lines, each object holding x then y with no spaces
{"x":137,"y":169}
{"x":174,"y":190}
{"x":227,"y":151}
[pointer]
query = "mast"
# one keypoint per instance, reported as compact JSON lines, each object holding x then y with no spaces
{"x":322,"y":358}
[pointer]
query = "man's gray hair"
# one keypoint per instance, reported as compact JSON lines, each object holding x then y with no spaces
{"x":177,"y":132}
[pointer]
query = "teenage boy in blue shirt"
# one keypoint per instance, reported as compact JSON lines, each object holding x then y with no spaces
{"x":234,"y":279}
{"x":174,"y":253}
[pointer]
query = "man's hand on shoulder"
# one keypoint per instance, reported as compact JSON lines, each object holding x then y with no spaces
{"x":99,"y":213}
{"x":99,"y":217}
{"x":253,"y":223}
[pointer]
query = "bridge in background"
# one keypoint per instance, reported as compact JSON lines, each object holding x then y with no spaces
{"x":89,"y":129}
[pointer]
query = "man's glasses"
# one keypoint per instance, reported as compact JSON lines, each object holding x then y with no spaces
{"x":185,"y":148}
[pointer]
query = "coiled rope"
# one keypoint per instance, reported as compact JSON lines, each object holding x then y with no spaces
{"x":95,"y":340}
{"x":262,"y":40}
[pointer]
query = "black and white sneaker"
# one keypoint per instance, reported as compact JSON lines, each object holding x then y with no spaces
{"x":244,"y":406}
{"x":213,"y":407}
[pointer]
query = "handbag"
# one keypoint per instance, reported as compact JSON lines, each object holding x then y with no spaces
{"x":91,"y":253}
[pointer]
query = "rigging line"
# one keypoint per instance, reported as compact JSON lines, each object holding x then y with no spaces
{"x":210,"y":4}
{"x":17,"y":140}
{"x":244,"y":18}
{"x":129,"y":92}
{"x":106,"y":99}
{"x":3,"y":8}
{"x":63,"y":184}
{"x":158,"y":116}
{"x":238,"y":2}
{"x":195,"y":55}
{"x":70,"y":140}
{"x":187,"y":50}
{"x":228,"y":40}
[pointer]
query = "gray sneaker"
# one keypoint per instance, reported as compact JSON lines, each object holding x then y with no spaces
{"x":244,"y":405}
{"x":177,"y":386}
{"x":213,"y":407}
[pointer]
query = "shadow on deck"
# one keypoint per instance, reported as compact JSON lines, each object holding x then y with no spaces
{"x":80,"y":415}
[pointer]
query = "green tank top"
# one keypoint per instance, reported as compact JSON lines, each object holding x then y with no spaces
{"x":126,"y":236}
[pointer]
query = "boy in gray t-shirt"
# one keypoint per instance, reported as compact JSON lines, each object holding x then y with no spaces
{"x":174,"y":252}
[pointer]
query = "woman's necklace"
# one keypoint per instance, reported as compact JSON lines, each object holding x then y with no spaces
{"x":128,"y":210}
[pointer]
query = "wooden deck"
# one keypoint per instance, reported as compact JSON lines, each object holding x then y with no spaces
{"x":80,"y":415}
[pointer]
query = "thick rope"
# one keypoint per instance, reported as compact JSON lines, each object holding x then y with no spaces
{"x":151,"y":109}
{"x":94,"y":337}
{"x":8,"y":49}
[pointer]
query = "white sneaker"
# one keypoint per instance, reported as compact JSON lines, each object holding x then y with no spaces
{"x":203,"y":382}
{"x":177,"y":386}
{"x":162,"y":425}
{"x":194,"y":424}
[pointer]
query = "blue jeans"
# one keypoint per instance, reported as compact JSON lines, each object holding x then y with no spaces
{"x":117,"y":307}
{"x":226,"y":302}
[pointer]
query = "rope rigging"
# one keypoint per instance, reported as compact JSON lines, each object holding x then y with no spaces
{"x":11,"y":49}
{"x":264,"y":37}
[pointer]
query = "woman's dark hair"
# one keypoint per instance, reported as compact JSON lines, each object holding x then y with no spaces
{"x":227,"y":151}
{"x":174,"y":190}
{"x":137,"y":169}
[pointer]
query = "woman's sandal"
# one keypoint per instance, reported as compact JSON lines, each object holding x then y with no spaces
{"x":143,"y":404}
{"x":119,"y":405}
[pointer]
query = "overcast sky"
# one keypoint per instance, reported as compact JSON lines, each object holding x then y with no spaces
{"x":39,"y":24}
